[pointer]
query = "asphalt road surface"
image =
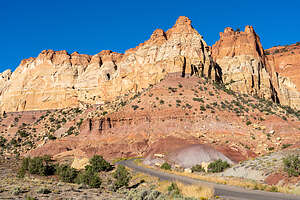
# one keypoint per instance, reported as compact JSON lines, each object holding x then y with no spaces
{"x":225,"y":191}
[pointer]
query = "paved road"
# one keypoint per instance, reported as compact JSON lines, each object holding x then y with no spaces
{"x":226,"y":191}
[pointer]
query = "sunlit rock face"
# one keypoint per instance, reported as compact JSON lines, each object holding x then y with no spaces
{"x":246,"y":68}
{"x":285,"y":62}
{"x":241,"y":57}
{"x":57,"y":79}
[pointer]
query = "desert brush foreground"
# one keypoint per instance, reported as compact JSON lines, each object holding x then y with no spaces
{"x":214,"y":113}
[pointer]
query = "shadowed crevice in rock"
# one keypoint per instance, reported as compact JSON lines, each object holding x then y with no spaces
{"x":183,"y":67}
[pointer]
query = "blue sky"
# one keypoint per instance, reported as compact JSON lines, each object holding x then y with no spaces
{"x":89,"y":26}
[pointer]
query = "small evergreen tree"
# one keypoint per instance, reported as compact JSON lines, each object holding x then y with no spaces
{"x":218,"y":166}
{"x":122,"y":177}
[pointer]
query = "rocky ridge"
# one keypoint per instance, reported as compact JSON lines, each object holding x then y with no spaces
{"x":241,"y":57}
{"x":246,"y":68}
{"x":56,"y":79}
{"x":285,"y":62}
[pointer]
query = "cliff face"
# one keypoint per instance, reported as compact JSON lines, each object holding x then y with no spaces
{"x":56,"y":79}
{"x":241,"y":57}
{"x":285,"y":62}
{"x":247,"y":68}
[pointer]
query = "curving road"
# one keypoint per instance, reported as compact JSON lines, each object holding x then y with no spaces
{"x":226,"y":191}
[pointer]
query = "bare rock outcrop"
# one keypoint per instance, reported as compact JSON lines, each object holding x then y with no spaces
{"x":285,"y":62}
{"x":246,"y":68}
{"x":57,"y":79}
{"x":4,"y":78}
{"x":241,"y":57}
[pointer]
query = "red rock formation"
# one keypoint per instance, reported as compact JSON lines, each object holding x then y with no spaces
{"x":56,"y":79}
{"x":241,"y":58}
{"x":235,"y":43}
{"x":285,"y":62}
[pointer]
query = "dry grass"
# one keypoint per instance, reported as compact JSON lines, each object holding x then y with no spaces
{"x":197,"y":191}
{"x":138,"y":177}
{"x":244,"y":183}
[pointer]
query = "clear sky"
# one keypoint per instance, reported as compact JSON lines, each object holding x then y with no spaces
{"x":89,"y":26}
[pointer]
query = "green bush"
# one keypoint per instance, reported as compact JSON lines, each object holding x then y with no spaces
{"x":51,"y":137}
{"x":135,"y":107}
{"x":39,"y":165}
{"x":66,"y":173}
{"x":22,"y":133}
{"x":284,"y":146}
{"x":2,"y":141}
{"x":197,"y":168}
{"x":122,"y":177}
{"x":89,"y":178}
{"x":97,"y":164}
{"x":218,"y":166}
{"x":166,"y":166}
{"x":292,"y":165}
{"x":198,"y":99}
{"x":174,"y":189}
{"x":202,"y":108}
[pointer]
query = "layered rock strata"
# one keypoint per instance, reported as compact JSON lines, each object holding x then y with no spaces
{"x":285,"y":62}
{"x":241,"y":57}
{"x":56,"y":79}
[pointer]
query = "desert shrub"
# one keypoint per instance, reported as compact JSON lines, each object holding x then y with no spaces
{"x":292,"y":165}
{"x":52,"y":130}
{"x":165,"y":166}
{"x":70,"y":130}
{"x":89,"y":178}
{"x":97,"y":164}
{"x":178,"y":101}
{"x":284,"y":146}
{"x":198,"y":99}
{"x":172,"y":89}
{"x":2,"y":141}
{"x":271,"y":148}
{"x":218,"y":166}
{"x":197,"y":168}
{"x":248,"y":123}
{"x":51,"y":137}
{"x":66,"y":173}
{"x":79,"y":123}
{"x":122,"y":177}
{"x":63,"y":120}
{"x":21,"y":173}
{"x":135,"y":107}
{"x":174,"y":189}
{"x":44,"y":191}
{"x":202,"y":108}
{"x":22,"y":133}
{"x":39,"y":165}
{"x":51,"y":119}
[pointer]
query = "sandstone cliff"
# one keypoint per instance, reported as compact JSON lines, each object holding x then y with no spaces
{"x":56,"y":79}
{"x":241,"y":57}
{"x":285,"y":62}
{"x":246,"y":68}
